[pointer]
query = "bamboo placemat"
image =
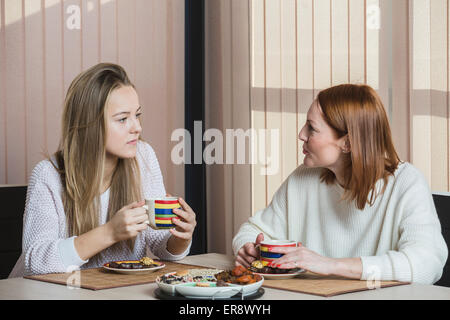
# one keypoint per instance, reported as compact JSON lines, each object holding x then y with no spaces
{"x":326,"y":286}
{"x":99,"y":278}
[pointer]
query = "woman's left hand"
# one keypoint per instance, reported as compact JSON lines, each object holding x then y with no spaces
{"x":302,"y":257}
{"x":185,"y":226}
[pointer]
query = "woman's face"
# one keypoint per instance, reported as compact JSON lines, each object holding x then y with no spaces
{"x":123,"y":125}
{"x":321,"y":146}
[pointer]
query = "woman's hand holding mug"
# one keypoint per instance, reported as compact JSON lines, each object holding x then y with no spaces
{"x":249,"y":252}
{"x":128,"y":222}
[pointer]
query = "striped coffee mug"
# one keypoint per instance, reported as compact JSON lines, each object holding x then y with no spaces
{"x":160,"y":212}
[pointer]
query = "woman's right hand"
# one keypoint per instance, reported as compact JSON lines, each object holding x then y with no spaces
{"x":249,"y":253}
{"x":129,"y":221}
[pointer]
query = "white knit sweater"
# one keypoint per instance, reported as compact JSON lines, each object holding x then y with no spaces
{"x":398,"y":238}
{"x":46,"y":246}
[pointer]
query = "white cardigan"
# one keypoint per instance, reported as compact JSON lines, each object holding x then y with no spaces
{"x":398,"y":238}
{"x":46,"y":246}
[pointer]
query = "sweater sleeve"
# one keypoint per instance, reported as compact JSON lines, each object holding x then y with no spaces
{"x":421,"y":250}
{"x":43,"y":247}
{"x":271,"y":221}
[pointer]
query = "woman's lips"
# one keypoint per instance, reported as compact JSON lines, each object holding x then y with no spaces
{"x":133,"y":142}
{"x":304,"y":151}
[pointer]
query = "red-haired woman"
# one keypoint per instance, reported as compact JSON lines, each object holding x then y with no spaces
{"x":357,"y":209}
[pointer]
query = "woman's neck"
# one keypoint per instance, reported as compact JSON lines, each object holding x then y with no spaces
{"x":339,"y":171}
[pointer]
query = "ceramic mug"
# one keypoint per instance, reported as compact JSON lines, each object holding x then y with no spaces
{"x":160,"y":212}
{"x":266,"y":256}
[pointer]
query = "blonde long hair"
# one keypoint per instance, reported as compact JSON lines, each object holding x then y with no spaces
{"x":81,"y":154}
{"x":357,"y":111}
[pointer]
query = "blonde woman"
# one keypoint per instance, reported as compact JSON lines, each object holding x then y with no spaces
{"x":84,"y":204}
{"x":357,"y":209}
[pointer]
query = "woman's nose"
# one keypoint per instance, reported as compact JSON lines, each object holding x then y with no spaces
{"x":302,"y":135}
{"x":136,"y":126}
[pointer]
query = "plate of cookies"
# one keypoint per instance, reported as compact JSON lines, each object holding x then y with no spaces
{"x":272,"y":273}
{"x":143,"y":266}
{"x":210,"y":283}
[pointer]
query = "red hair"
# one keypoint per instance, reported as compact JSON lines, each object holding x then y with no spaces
{"x":357,"y":111}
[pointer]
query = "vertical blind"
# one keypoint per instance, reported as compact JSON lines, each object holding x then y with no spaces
{"x":44,"y":44}
{"x":268,"y":59}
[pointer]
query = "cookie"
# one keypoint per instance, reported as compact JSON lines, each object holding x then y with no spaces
{"x":202,"y":284}
{"x":182,"y":273}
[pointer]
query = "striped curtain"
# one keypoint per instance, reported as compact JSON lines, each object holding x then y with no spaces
{"x":268,"y":59}
{"x":44,"y":44}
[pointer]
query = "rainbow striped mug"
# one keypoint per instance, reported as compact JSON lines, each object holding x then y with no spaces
{"x":160,"y":212}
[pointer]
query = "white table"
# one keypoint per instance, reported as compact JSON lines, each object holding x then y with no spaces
{"x":24,"y":289}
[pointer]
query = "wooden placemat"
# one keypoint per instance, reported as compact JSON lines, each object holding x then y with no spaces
{"x":326,"y":286}
{"x":99,"y":278}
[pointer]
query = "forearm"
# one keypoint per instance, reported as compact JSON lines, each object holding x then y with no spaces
{"x":348,"y":267}
{"x":94,"y":241}
{"x":177,"y":246}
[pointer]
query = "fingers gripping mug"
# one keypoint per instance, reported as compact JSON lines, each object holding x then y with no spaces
{"x":160,"y":212}
{"x":266,"y":256}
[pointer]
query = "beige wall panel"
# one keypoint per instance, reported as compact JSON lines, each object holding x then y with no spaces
{"x":108,"y":30}
{"x":258,"y":101}
{"x":16,"y":130}
{"x":373,"y":49}
{"x":54,"y":72}
{"x":356,"y":49}
{"x":213,"y":117}
{"x":175,"y":87}
{"x":34,"y":84}
{"x":45,"y":44}
{"x":400,"y":121}
{"x":126,"y":37}
{"x":3,"y":145}
{"x":448,"y":91}
{"x":273,"y":96}
{"x":379,"y":30}
{"x":289,"y":126}
{"x":227,"y":116}
{"x":72,"y":51}
{"x":439,"y":69}
{"x":305,"y":66}
{"x":240,"y":56}
{"x":322,"y":45}
{"x":90,"y":33}
{"x":339,"y":42}
{"x":421,"y":83}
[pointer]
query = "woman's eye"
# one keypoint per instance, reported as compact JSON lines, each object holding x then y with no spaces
{"x":139,"y":115}
{"x":122,"y":120}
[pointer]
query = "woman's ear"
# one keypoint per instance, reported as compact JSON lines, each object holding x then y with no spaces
{"x":345,"y":147}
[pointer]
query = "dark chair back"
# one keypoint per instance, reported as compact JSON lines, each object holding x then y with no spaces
{"x":442,"y":203}
{"x":11,"y":225}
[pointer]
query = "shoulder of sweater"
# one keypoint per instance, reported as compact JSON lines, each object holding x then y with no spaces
{"x":407,"y":176}
{"x":407,"y":171}
{"x":45,"y":172}
{"x":303,"y":173}
{"x":145,"y":151}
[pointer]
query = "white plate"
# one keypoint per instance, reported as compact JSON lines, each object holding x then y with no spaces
{"x":170,"y":288}
{"x":271,"y":276}
{"x":167,"y":287}
{"x":134,"y":271}
{"x":190,"y":290}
